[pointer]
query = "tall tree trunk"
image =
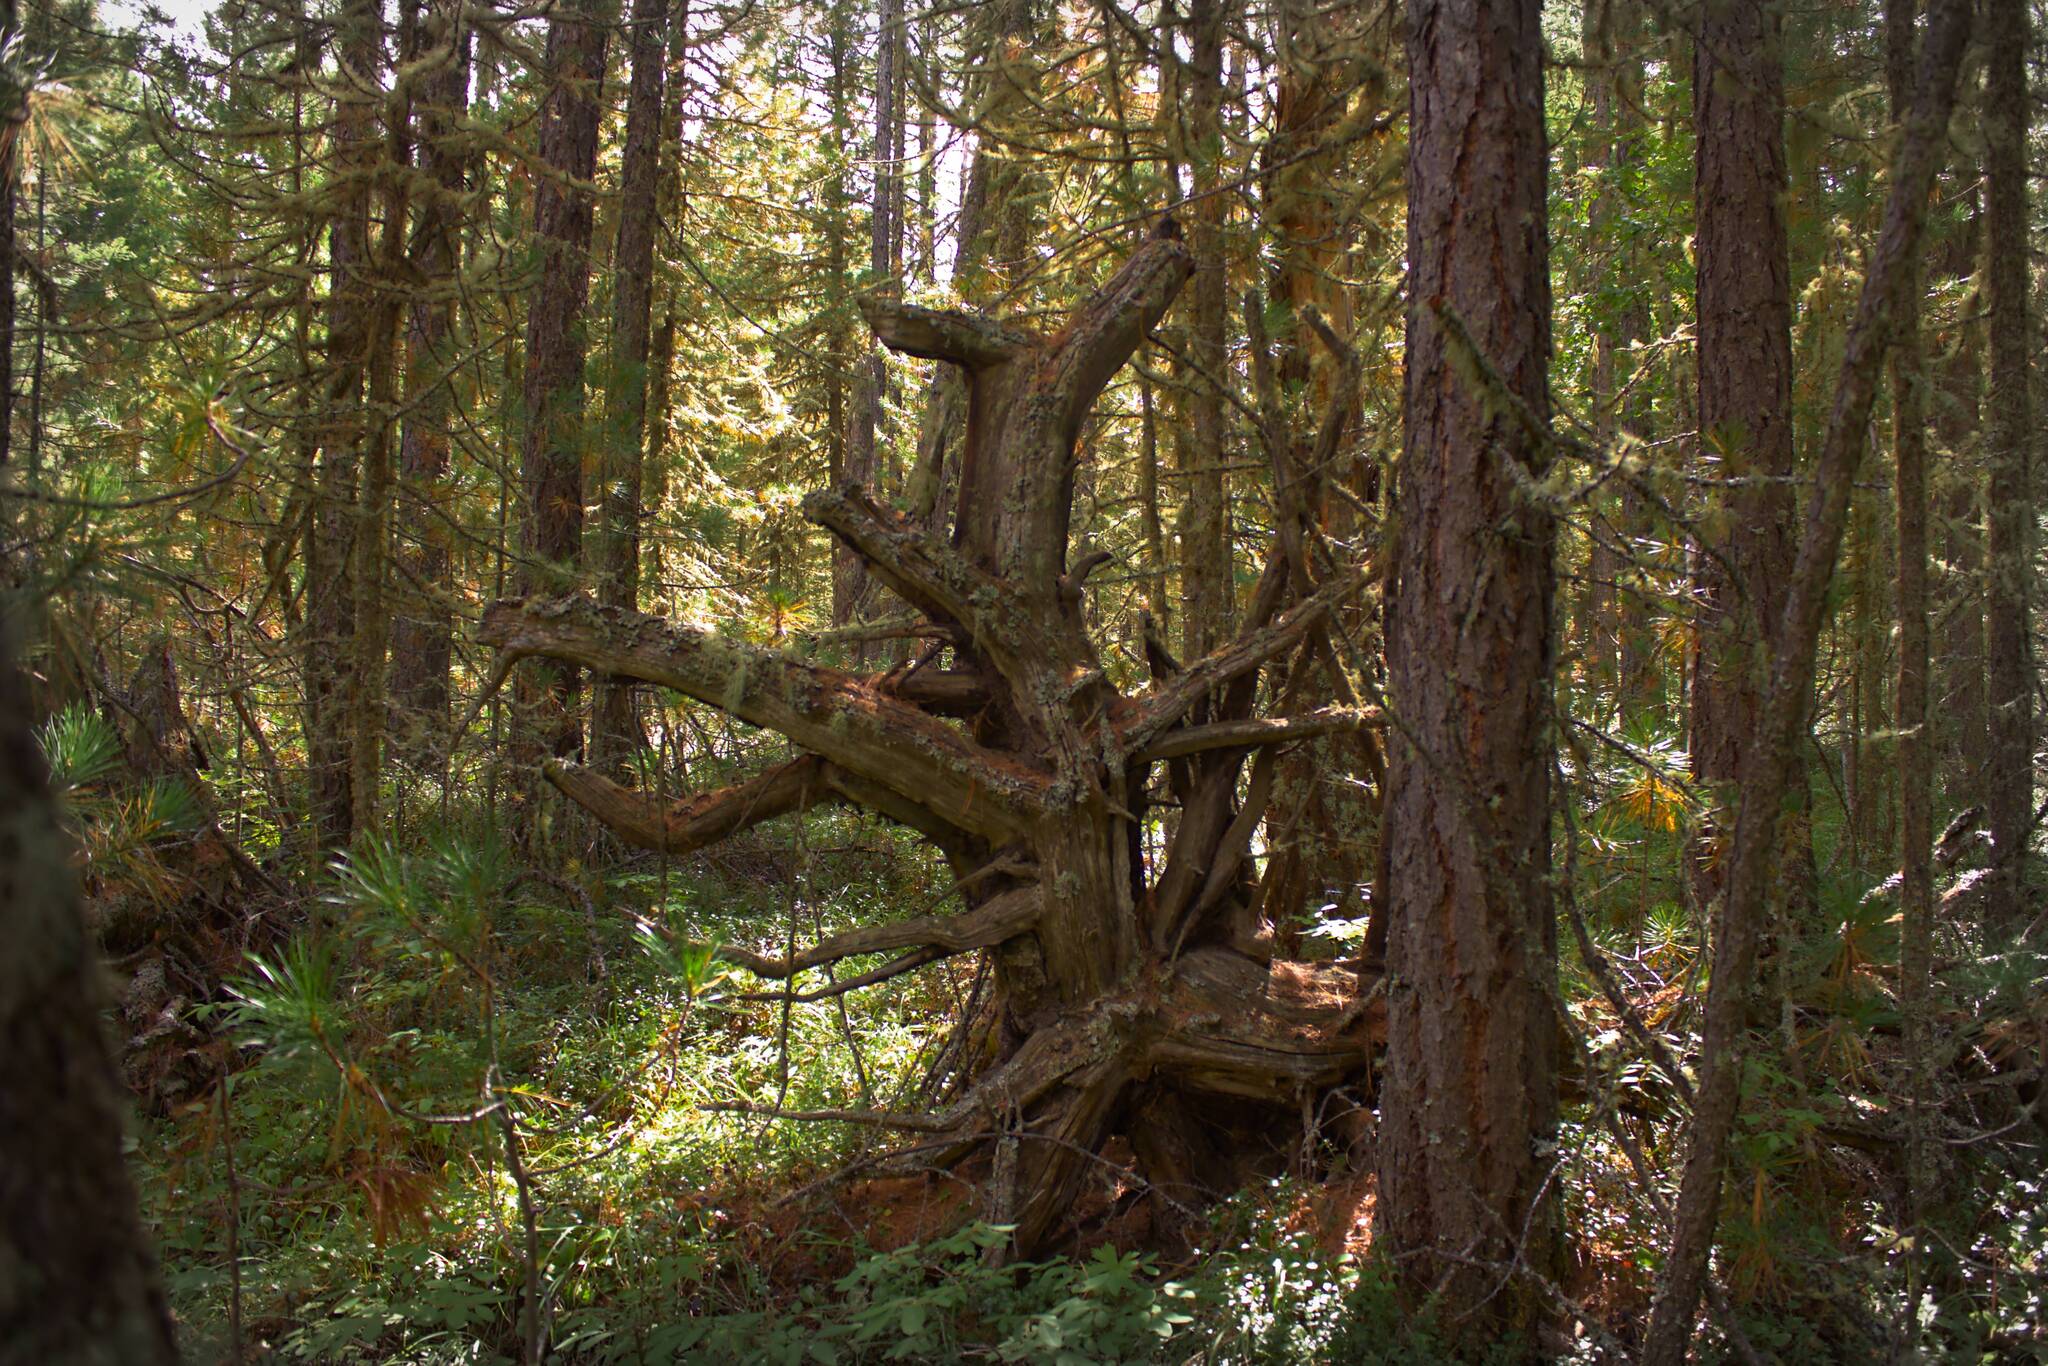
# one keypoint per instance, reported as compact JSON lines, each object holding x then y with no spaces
{"x":10,"y":158}
{"x":1469,"y":1106}
{"x":2009,"y":501}
{"x":860,"y":461}
{"x":614,"y":727}
{"x":1206,"y":598}
{"x":1745,"y":394}
{"x":369,"y":711}
{"x":1965,"y":721}
{"x":1914,"y":750}
{"x":78,"y":1284}
{"x":1319,"y":844}
{"x":330,"y":578}
{"x":1772,"y":767}
{"x":551,"y":457}
{"x":993,"y":229}
{"x":422,"y":631}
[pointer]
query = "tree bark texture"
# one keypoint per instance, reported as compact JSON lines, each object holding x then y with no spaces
{"x":860,"y":463}
{"x":547,"y":718}
{"x":2008,"y":502}
{"x":1745,"y":393}
{"x":1207,"y":588}
{"x":1914,"y":751}
{"x":78,"y":1283}
{"x":1114,"y":982}
{"x":614,"y":728}
{"x":330,"y":587}
{"x":1469,"y":1109}
{"x":422,"y":628}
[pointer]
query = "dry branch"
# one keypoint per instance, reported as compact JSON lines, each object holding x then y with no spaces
{"x":1000,"y":918}
{"x":965,"y":339}
{"x":1170,"y":700}
{"x":1273,"y":730}
{"x":693,"y":822}
{"x":836,"y":715}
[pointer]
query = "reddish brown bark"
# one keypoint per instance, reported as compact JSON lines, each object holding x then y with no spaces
{"x":2009,"y":501}
{"x":1207,"y":597}
{"x":1745,"y":392}
{"x":551,"y":458}
{"x":1469,"y":1109}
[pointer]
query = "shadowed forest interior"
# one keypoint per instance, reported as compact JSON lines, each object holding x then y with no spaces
{"x":1053,"y":681}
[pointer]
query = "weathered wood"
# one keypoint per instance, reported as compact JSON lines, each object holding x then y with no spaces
{"x":828,"y":712}
{"x":1170,"y":700}
{"x":1102,"y":984}
{"x":700,"y":819}
{"x":1269,"y":730}
{"x":1232,"y":1026}
{"x":1004,"y":917}
{"x":965,"y":339}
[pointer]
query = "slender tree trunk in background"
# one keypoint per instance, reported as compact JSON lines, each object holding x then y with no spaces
{"x":1469,"y":1106}
{"x":330,"y":581}
{"x":1599,"y":613}
{"x":422,"y":631}
{"x":1206,"y":597}
{"x":78,"y":1283}
{"x":994,"y":229}
{"x":1965,"y":723}
{"x":1635,"y":648}
{"x":839,"y":359}
{"x":614,"y":725}
{"x":1915,"y":776}
{"x":1152,"y":527}
{"x":547,"y":720}
{"x":670,"y":206}
{"x":10,"y":134}
{"x":860,"y":461}
{"x":369,"y":717}
{"x":1745,"y":386}
{"x":1320,"y":833}
{"x":2009,"y":501}
{"x":1771,"y":765}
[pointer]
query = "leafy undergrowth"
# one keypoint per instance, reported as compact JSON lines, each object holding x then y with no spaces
{"x":344,"y":1199}
{"x":349,"y":1198}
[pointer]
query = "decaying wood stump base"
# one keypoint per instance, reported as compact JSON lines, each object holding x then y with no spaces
{"x":1129,"y":997}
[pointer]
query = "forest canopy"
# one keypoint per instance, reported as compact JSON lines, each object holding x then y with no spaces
{"x":1192,"y":680}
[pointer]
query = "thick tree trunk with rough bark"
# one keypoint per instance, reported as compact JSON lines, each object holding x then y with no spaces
{"x":78,"y":1285}
{"x":1033,"y":777}
{"x":548,"y":719}
{"x":1468,"y":1117}
{"x":1745,"y":394}
{"x":2009,"y":502}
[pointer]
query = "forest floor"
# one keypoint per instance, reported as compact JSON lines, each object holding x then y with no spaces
{"x":346,"y":1196}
